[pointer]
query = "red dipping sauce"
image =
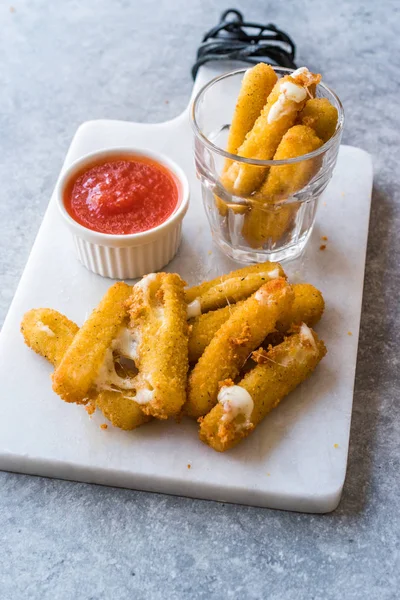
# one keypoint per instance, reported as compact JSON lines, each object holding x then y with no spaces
{"x":122,"y":195}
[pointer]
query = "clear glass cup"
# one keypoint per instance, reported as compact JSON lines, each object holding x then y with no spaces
{"x":263,"y":225}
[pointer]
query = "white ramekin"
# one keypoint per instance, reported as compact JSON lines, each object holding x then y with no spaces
{"x":132,"y":255}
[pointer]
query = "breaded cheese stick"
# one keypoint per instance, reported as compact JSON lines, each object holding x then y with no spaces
{"x":321,"y":116}
{"x":282,"y":181}
{"x":284,"y":103}
{"x":87,"y":366}
{"x":158,"y":321}
{"x":257,"y":84}
{"x":242,"y":407}
{"x":262,"y":222}
{"x":308,"y":307}
{"x":234,"y":341}
{"x":50,"y":333}
{"x":230,"y":288}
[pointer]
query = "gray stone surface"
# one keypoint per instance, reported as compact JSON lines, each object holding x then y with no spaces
{"x":65,"y":62}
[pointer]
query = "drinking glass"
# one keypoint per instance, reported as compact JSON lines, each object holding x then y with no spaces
{"x":275,"y":225}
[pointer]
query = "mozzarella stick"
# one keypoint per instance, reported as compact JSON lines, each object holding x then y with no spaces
{"x":87,"y":366}
{"x":321,"y":116}
{"x":234,"y":341}
{"x":308,"y":307}
{"x":285,"y":180}
{"x":230,"y":288}
{"x":158,"y":321}
{"x":50,"y":334}
{"x":264,"y":222}
{"x":257,"y":84}
{"x":279,"y":371}
{"x":286,"y":100}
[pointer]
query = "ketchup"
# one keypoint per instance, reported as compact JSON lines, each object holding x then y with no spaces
{"x":122,"y":195}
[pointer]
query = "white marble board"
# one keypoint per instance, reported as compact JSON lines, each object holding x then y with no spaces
{"x":296,"y":459}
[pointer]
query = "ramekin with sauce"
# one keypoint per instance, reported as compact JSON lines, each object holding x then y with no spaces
{"x":124,"y":208}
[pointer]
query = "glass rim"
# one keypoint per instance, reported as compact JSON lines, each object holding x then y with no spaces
{"x":253,"y":161}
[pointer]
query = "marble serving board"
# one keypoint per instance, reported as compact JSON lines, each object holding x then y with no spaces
{"x":296,"y":459}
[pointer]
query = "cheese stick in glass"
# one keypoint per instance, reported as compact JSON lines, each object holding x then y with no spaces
{"x":256,"y":86}
{"x":263,"y":222}
{"x":321,"y":116}
{"x":284,"y":103}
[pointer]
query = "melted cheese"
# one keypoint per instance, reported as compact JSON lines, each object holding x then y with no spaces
{"x":263,"y":297}
{"x":107,"y":375}
{"x":146,"y":281}
{"x":144,"y":396}
{"x":45,"y":328}
{"x":306,"y":334}
{"x":236,"y":401}
{"x":289,"y":92}
{"x":194,"y":309}
{"x":127,"y":343}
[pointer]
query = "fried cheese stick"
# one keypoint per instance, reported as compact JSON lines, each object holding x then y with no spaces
{"x":158,"y":321}
{"x":279,"y":371}
{"x":229,"y":288}
{"x":49,"y":333}
{"x":320,"y":115}
{"x":308,"y":306}
{"x":87,"y":366}
{"x":284,"y":103}
{"x":264,"y":222}
{"x":256,"y":86}
{"x":227,"y":352}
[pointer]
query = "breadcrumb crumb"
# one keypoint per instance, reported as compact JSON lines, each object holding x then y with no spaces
{"x":336,"y":445}
{"x":104,"y":426}
{"x":322,"y":247}
{"x":349,"y":333}
{"x":189,"y":466}
{"x":90,"y":409}
{"x":324,"y":238}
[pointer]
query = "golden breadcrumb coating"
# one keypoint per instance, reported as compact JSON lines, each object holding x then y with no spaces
{"x":321,"y":116}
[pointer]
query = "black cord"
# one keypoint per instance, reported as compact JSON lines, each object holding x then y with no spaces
{"x":235,"y":39}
